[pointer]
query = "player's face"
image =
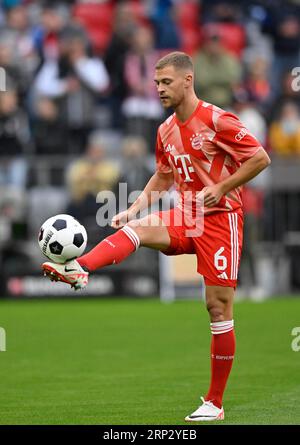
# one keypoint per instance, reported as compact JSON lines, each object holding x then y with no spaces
{"x":171,"y":85}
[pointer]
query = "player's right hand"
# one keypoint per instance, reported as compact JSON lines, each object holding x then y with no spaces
{"x":121,"y":219}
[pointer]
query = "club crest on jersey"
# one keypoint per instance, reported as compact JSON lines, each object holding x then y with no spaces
{"x":239,"y":136}
{"x":197,"y":141}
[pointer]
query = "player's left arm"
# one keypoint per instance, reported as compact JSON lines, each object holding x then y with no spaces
{"x":244,"y":148}
{"x":248,"y":170}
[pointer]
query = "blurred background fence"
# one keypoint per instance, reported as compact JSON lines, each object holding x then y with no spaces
{"x":80,"y":111}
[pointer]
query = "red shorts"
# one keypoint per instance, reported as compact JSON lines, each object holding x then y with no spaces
{"x":218,"y":247}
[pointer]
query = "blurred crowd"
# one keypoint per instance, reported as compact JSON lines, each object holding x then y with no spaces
{"x":80,"y":110}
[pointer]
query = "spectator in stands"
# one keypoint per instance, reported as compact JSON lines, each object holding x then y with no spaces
{"x":163,"y":17}
{"x":17,"y":33}
{"x":55,"y":22}
{"x":220,"y":11}
{"x":14,"y":137}
{"x":244,"y":106}
{"x":14,"y":78}
{"x":257,"y":82}
{"x":48,"y":131}
{"x":285,"y":132}
{"x":77,"y":80}
{"x":124,"y":26}
{"x":186,"y":16}
{"x":87,"y":177}
{"x":223,"y":19}
{"x":135,"y":170}
{"x":284,"y":27}
{"x":142,"y":108}
{"x":217,"y":72}
{"x":287,"y":93}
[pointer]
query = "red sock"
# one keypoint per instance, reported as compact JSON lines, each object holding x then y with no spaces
{"x":222,"y":355}
{"x":112,"y":250}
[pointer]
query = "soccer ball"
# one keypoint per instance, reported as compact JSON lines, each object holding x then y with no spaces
{"x":62,"y":238}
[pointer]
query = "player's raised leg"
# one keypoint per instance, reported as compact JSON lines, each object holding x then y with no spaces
{"x":149,"y":231}
{"x":219,"y":303}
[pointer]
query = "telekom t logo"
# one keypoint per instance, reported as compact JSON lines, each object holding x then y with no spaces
{"x":186,"y":166}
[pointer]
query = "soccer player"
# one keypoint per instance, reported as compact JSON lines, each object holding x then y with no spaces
{"x":208,"y":154}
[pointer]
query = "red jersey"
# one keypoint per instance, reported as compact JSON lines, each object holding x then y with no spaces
{"x":203,"y":151}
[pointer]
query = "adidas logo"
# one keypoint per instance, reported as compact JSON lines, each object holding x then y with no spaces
{"x":170,"y":148}
{"x":223,"y":275}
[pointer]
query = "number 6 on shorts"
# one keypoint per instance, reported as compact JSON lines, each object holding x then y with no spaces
{"x":220,"y":260}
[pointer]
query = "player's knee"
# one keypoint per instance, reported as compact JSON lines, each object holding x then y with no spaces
{"x":214,"y":307}
{"x":138,"y":228}
{"x":216,"y":312}
{"x":217,"y":304}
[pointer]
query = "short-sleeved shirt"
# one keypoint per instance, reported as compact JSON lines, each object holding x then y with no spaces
{"x":206,"y":149}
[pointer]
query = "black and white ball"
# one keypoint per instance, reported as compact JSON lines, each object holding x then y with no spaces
{"x":62,"y":238}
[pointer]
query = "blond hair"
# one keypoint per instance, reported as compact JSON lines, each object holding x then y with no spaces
{"x":177,"y":59}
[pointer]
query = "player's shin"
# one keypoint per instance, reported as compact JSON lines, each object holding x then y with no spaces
{"x":222,"y":355}
{"x":112,"y":250}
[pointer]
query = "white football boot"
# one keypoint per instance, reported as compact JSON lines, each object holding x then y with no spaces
{"x":71,"y":273}
{"x":206,"y":412}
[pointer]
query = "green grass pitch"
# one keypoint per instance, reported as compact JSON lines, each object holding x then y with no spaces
{"x":137,"y":362}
